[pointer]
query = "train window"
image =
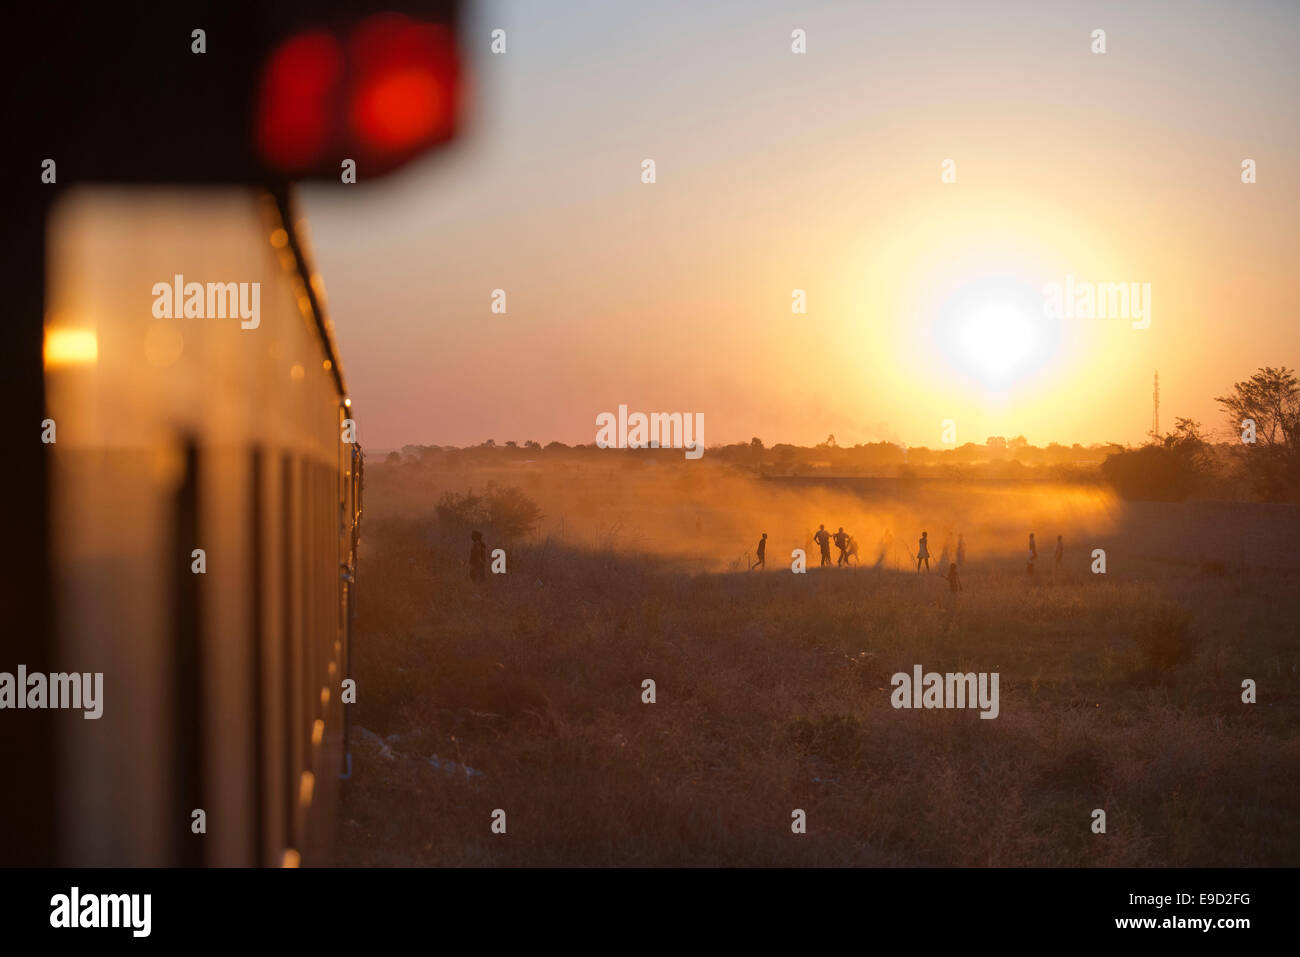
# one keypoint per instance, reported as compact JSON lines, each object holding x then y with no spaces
{"x":306,"y":589}
{"x":288,"y":656}
{"x":189,"y":749}
{"x":257,"y":655}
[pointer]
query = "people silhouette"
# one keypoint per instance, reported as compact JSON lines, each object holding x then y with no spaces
{"x":1033,"y":556}
{"x":842,"y":543}
{"x":885,"y":549}
{"x":477,"y":557}
{"x":762,"y":554}
{"x":853,"y":551}
{"x":950,"y":596}
{"x":945,"y":556}
{"x":823,"y":540}
{"x":923,"y":551}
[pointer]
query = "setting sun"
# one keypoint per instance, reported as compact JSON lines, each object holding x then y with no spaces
{"x":998,"y":339}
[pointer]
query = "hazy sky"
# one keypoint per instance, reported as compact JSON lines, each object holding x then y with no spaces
{"x":822,"y":172}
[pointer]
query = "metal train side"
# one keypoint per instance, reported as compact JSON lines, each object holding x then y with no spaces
{"x":223,"y":668}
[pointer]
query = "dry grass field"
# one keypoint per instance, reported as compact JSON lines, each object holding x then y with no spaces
{"x":1119,"y":691}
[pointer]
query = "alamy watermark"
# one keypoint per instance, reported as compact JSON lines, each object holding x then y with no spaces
{"x":1073,"y":299}
{"x":75,"y":909}
{"x":656,"y":430}
{"x":215,"y":300}
{"x":79,"y":690}
{"x":933,"y":690}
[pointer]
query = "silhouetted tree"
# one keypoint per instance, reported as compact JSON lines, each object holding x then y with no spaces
{"x":1271,"y":466}
{"x":1272,"y":398}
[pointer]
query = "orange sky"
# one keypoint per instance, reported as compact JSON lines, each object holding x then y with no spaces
{"x":822,"y":172}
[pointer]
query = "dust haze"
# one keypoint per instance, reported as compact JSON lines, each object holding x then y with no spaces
{"x":709,"y":518}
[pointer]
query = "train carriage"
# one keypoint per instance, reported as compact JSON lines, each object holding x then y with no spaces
{"x":205,"y":501}
{"x":187,"y":524}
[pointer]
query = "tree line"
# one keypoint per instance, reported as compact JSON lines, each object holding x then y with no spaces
{"x":1259,"y":461}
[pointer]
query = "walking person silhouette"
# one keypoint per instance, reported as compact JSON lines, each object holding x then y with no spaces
{"x":842,"y":543}
{"x":823,"y":539}
{"x":477,"y":557}
{"x":762,"y":554}
{"x":950,"y":597}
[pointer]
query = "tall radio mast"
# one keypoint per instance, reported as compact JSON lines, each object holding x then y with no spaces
{"x":1155,"y":405}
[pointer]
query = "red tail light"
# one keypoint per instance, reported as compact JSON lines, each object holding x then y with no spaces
{"x":300,"y":92}
{"x":404,"y":85}
{"x":389,"y":94}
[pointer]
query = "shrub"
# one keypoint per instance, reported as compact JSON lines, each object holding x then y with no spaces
{"x":1165,"y":638}
{"x":510,"y":511}
{"x":836,"y":738}
{"x":459,"y":511}
{"x":505,"y":510}
{"x":1167,"y":469}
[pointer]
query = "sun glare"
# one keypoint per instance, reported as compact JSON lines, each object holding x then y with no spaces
{"x":990,"y":330}
{"x":997,"y":340}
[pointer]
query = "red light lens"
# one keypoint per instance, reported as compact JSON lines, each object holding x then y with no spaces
{"x":393,"y":94}
{"x":403,"y":85}
{"x":398,"y":110}
{"x":300,"y":91}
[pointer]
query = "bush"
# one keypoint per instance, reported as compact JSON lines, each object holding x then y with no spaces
{"x":510,"y":511}
{"x":1150,"y":473}
{"x":1166,"y":639}
{"x":507,"y":511}
{"x":836,"y":738}
{"x":459,"y":511}
{"x":1167,"y":469}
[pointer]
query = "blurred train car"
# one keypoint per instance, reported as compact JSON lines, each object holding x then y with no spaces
{"x":187,"y":523}
{"x":205,"y":506}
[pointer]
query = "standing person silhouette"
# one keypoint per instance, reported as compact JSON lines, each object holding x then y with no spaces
{"x":1033,"y":555}
{"x":887,"y":549}
{"x":923,"y":551}
{"x":762,"y":554}
{"x":950,"y":596}
{"x":823,"y":539}
{"x":842,"y":543}
{"x":477,"y":557}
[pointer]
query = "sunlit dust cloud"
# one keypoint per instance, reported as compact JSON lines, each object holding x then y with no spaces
{"x":709,"y":517}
